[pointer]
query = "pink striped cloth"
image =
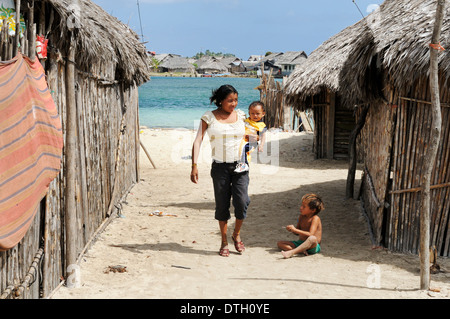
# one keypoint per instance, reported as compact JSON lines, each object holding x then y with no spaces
{"x":31,"y":143}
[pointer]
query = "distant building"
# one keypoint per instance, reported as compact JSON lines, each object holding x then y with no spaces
{"x":250,"y":65}
{"x":281,"y":64}
{"x":206,"y":65}
{"x":268,"y":64}
{"x":255,"y":58}
{"x":176,"y":64}
{"x":233,"y":64}
{"x":290,"y":60}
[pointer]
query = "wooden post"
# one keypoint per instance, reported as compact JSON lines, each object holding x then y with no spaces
{"x":31,"y":33}
{"x":17,"y":43}
{"x":430,"y":155}
{"x":352,"y":158}
{"x":148,"y":154}
{"x":71,"y":161}
{"x":287,"y":110}
{"x":330,"y":117}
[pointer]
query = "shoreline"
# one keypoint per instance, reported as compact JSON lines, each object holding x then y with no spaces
{"x":194,"y":75}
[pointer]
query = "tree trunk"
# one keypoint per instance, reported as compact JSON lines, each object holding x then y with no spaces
{"x":430,"y":155}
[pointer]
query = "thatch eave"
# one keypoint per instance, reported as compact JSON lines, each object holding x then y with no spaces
{"x":100,"y":39}
{"x":397,"y":35}
{"x":323,"y":68}
{"x":388,"y":47}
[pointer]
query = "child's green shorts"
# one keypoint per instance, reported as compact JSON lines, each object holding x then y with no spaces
{"x":311,"y":251}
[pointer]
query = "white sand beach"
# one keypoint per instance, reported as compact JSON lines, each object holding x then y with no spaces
{"x":175,"y":255}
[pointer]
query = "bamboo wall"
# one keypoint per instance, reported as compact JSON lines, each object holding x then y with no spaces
{"x":107,"y":167}
{"x":333,"y":123}
{"x":375,"y":144}
{"x":394,"y":141}
{"x":272,"y":95}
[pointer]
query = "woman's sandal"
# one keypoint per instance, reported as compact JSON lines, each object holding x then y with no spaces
{"x":224,"y":252}
{"x":239,"y":245}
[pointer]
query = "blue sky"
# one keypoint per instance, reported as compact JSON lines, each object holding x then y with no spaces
{"x":241,"y":27}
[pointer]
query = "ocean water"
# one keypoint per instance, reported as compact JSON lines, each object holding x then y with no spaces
{"x":177,"y":102}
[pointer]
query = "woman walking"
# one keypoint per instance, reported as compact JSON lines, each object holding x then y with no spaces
{"x":226,"y":129}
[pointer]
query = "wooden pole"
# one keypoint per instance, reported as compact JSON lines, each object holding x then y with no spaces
{"x":31,"y":31}
{"x":330,"y":111}
{"x":430,"y":155}
{"x":16,"y":48}
{"x":287,"y":110}
{"x":352,"y":158}
{"x":71,"y":161}
{"x":146,"y":152}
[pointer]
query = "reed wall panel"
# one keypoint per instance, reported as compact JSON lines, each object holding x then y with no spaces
{"x":107,"y":160}
{"x":393,"y":143}
{"x":375,"y":139}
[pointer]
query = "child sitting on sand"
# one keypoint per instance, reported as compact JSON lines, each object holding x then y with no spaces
{"x":308,"y":229}
{"x":255,"y":130}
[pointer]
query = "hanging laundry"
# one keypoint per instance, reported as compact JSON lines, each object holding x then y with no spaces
{"x":31,"y":143}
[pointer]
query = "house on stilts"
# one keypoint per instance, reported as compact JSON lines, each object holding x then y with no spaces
{"x":383,"y":78}
{"x":93,"y":68}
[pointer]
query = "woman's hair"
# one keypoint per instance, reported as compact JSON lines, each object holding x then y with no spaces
{"x":255,"y":103}
{"x":220,"y":94}
{"x":314,"y":202}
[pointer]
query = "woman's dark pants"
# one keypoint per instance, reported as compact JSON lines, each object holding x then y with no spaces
{"x":229,"y":184}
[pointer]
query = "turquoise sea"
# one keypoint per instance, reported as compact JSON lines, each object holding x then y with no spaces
{"x":179,"y":102}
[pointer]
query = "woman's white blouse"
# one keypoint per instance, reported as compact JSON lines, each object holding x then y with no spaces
{"x":225,"y":138}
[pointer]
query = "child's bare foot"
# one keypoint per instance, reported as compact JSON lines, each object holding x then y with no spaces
{"x":286,"y":254}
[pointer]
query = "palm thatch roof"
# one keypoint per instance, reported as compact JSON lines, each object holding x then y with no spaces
{"x":291,"y":57}
{"x":228,"y":61}
{"x":390,"y":43}
{"x":323,"y":68}
{"x":101,"y":39}
{"x":177,"y":63}
{"x":396,"y":46}
{"x":164,"y":56}
{"x":212,"y":65}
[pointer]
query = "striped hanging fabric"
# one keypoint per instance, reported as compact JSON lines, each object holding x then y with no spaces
{"x":31,"y":143}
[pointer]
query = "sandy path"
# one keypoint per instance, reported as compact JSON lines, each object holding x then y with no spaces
{"x":177,"y":257}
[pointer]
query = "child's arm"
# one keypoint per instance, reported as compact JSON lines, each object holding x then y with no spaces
{"x":262,"y":142}
{"x":298,"y":231}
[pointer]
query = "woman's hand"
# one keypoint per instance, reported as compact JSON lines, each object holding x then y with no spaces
{"x":194,"y":174}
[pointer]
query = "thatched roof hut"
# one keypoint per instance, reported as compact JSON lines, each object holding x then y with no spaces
{"x":177,"y":64}
{"x":94,"y":66}
{"x":211,"y":65}
{"x":318,"y":81}
{"x":381,"y":72}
